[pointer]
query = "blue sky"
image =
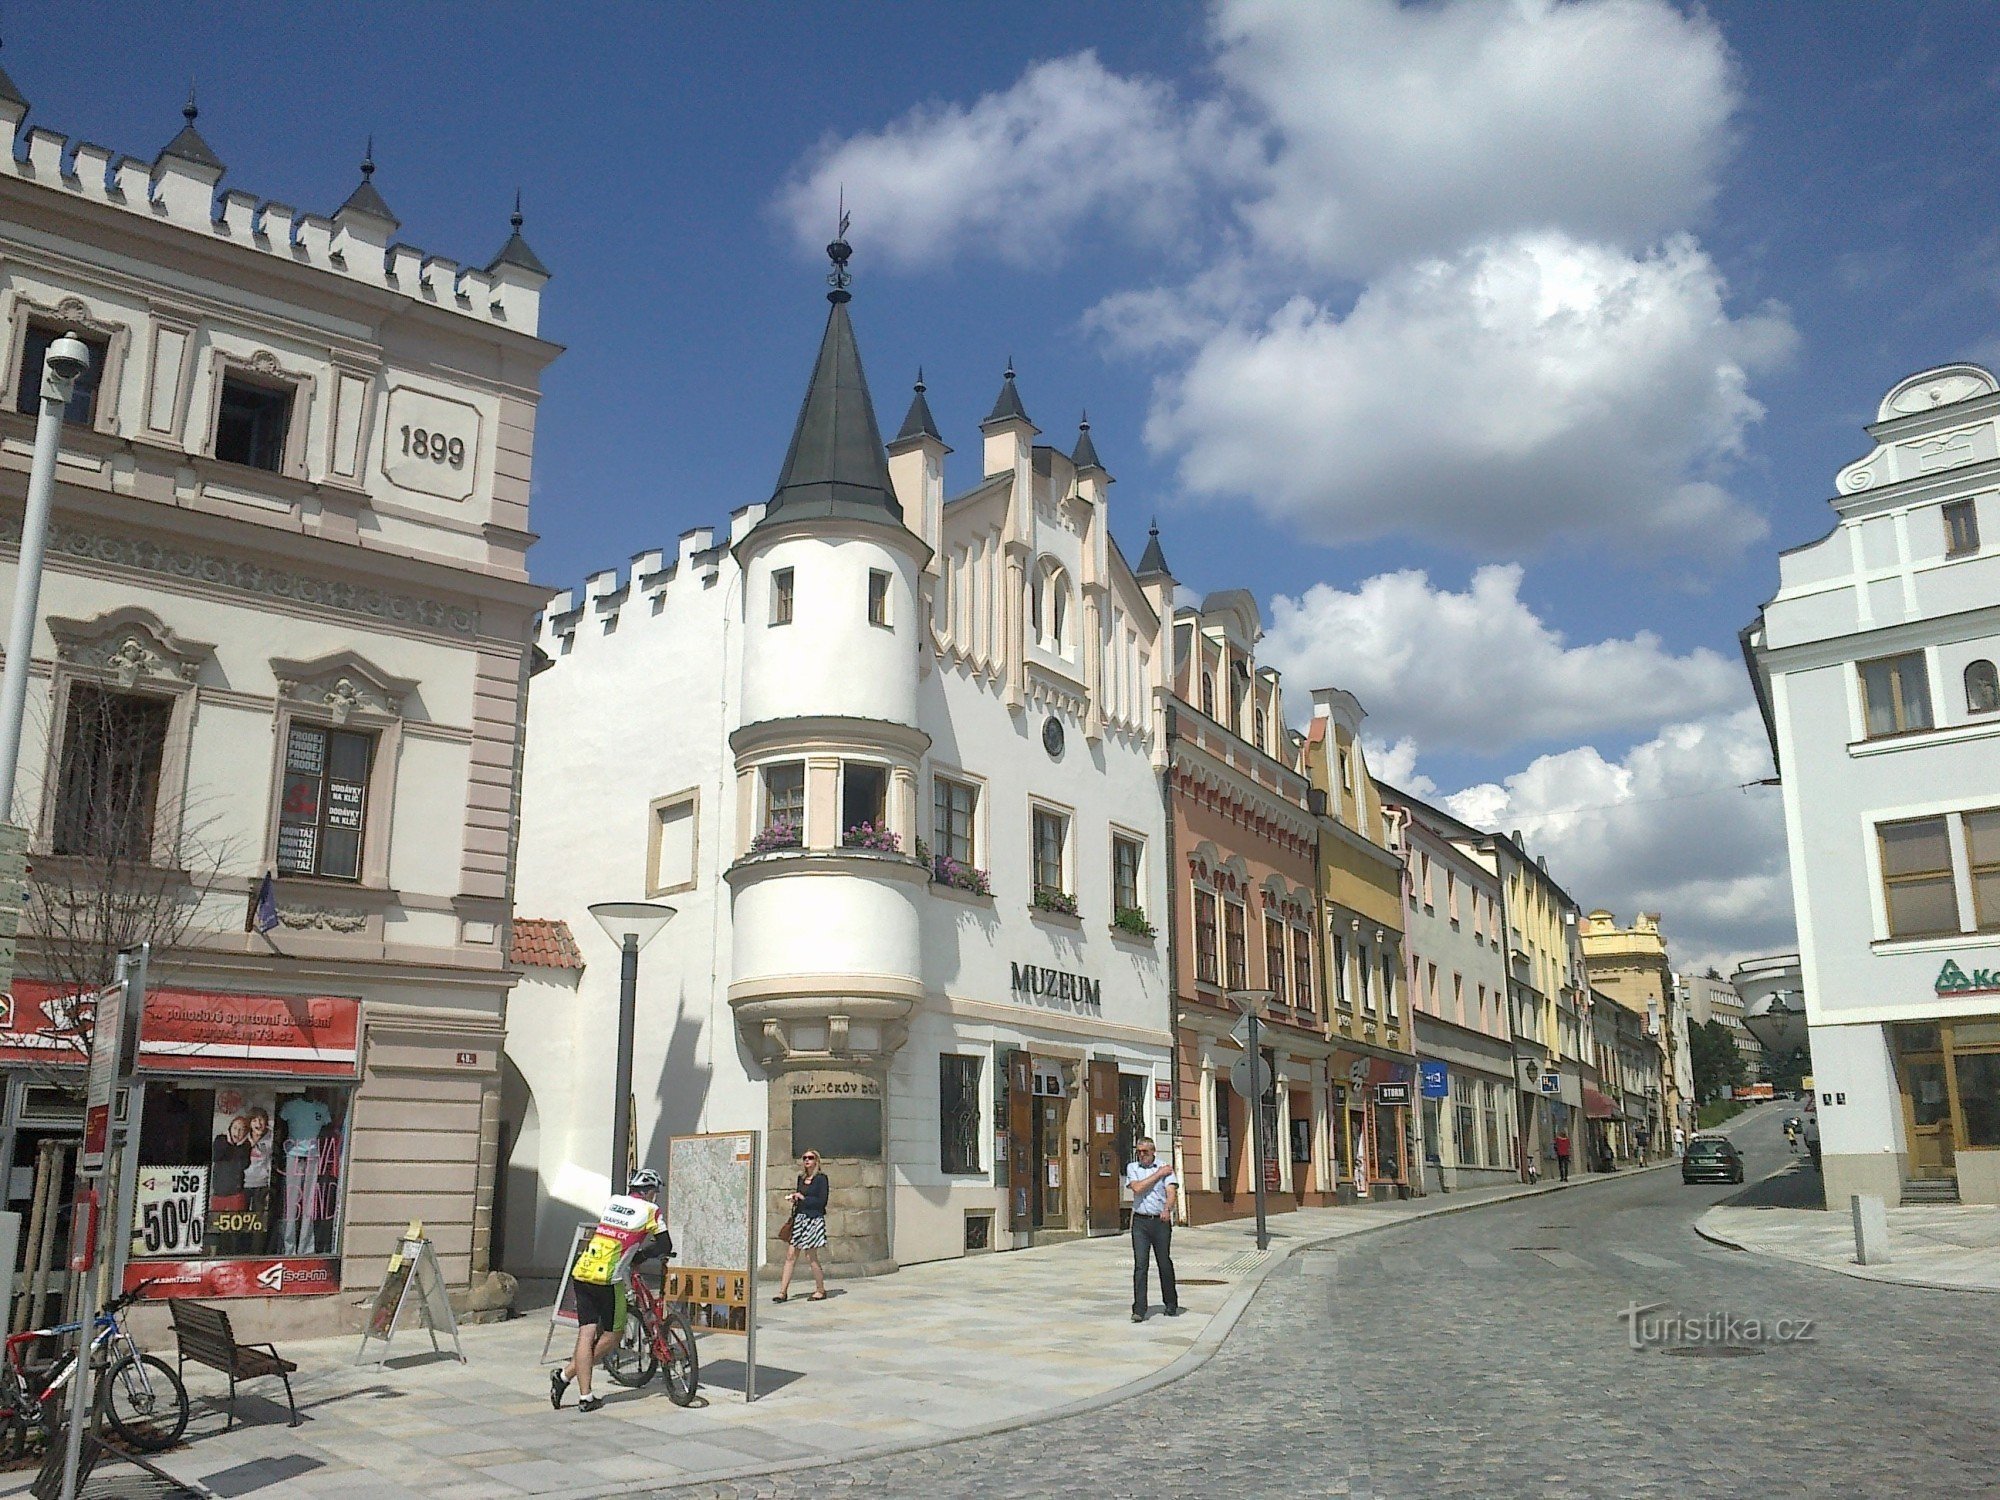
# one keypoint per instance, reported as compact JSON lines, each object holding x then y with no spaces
{"x":1496,"y":348}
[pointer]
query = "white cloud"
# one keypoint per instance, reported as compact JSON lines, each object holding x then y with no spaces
{"x":1016,"y":173}
{"x":1531,"y":388}
{"x":1663,"y":829}
{"x":1479,"y":670}
{"x":1397,"y":765}
{"x":1402,"y":131}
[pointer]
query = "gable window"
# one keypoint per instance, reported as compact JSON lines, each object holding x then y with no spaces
{"x":864,"y":803}
{"x":781,"y":596}
{"x":1235,"y":947}
{"x":1208,"y":694}
{"x":954,"y":807}
{"x":1051,"y":838}
{"x":108,"y":779}
{"x":1917,"y":885}
{"x":1125,"y":855}
{"x":1337,"y":966}
{"x":1274,"y":961}
{"x":1261,"y":726}
{"x":251,"y":422}
{"x":1302,"y":968}
{"x":325,"y":801}
{"x":784,"y":806}
{"x":1346,"y":769}
{"x":878,"y":597}
{"x":958,"y":1114}
{"x":1896,"y":690}
{"x":82,"y":408}
{"x":1982,"y":688}
{"x":1204,"y":936}
{"x":1961,"y":528}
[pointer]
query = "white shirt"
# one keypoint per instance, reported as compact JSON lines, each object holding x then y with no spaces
{"x":1154,"y":1199}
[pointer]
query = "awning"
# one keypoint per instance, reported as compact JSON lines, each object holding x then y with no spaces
{"x":1598,"y":1106}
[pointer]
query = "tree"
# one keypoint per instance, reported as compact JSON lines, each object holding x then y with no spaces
{"x":1718,"y":1066}
{"x":1787,"y":1070}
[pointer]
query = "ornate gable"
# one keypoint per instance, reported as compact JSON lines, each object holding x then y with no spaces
{"x":130,"y":645}
{"x":343,"y":684}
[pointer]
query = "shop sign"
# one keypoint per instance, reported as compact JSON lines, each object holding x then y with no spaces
{"x":1053,"y":987}
{"x":280,"y":1276}
{"x":1163,"y":1092}
{"x":193,"y":1031}
{"x":169,"y":1210}
{"x":1952,"y":980}
{"x":1392,"y":1093}
{"x":1436,"y":1077}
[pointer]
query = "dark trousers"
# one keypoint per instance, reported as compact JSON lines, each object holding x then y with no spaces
{"x":1562,"y":1168}
{"x":1153,"y":1235}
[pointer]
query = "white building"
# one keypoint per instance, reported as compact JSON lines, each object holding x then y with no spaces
{"x":1707,"y":998}
{"x":1875,"y":666}
{"x":894,"y":760}
{"x":285,"y":627}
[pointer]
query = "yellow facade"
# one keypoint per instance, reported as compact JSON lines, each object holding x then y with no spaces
{"x":1630,"y":965}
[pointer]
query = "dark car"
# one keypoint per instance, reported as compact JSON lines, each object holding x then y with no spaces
{"x":1712,"y":1158}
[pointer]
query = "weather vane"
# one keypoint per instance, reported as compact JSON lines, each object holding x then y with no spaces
{"x":838,"y":252}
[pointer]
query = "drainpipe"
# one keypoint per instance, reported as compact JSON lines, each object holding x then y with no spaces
{"x":1173,"y":927}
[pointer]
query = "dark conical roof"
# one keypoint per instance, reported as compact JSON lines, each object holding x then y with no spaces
{"x":836,"y":465}
{"x":1153,"y":561}
{"x":1007,"y":405}
{"x":918,"y":422}
{"x":188,"y":145}
{"x":8,"y":93}
{"x":516,"y":252}
{"x":366,"y":199}
{"x":1085,"y":456}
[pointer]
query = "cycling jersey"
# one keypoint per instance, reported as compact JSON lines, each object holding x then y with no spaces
{"x":623,"y":1230}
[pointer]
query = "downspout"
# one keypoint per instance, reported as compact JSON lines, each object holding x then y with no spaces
{"x":1513,"y":1022}
{"x":1173,"y":928}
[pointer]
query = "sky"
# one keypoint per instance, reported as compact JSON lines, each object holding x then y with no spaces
{"x":1496,"y":347}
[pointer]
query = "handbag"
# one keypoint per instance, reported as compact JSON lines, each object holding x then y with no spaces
{"x":785,"y":1230}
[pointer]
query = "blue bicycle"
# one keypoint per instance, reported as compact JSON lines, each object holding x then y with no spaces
{"x":139,"y":1397}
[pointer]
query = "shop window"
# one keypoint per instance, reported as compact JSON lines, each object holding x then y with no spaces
{"x":1125,"y":856}
{"x":1982,"y":688}
{"x":1275,"y":967}
{"x":1979,"y":1096}
{"x":1302,"y":968}
{"x":1225,"y":1160}
{"x":864,"y":805}
{"x":878,"y":597}
{"x":781,"y":596}
{"x":1897,"y":695}
{"x":1235,"y":946}
{"x":954,"y":820}
{"x":251,"y":423}
{"x":1205,"y":969}
{"x":245,"y":1171}
{"x":1496,"y":1145}
{"x":82,"y":408}
{"x":1961,"y":528}
{"x":958,"y":1114}
{"x":108,"y":777}
{"x":325,"y":801}
{"x":1917,"y":885}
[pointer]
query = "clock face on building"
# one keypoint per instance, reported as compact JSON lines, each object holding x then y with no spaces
{"x":1052,"y":736}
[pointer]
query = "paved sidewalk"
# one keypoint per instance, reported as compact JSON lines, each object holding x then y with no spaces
{"x":1953,"y":1247}
{"x":932,"y":1353}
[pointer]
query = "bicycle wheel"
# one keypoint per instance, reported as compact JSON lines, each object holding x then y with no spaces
{"x":16,"y":1429}
{"x":632,"y":1362}
{"x":144,"y":1402}
{"x":683,"y":1360}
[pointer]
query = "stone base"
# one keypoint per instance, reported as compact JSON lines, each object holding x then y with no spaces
{"x":1978,"y":1176}
{"x":1879,"y":1173}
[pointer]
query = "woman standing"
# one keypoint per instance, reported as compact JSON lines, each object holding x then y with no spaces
{"x":808,"y":1227}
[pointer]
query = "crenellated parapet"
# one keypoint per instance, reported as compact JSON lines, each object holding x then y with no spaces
{"x":182,"y":187}
{"x":646,"y":590}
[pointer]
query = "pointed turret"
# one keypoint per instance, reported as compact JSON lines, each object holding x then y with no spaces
{"x":836,"y":465}
{"x":367,"y":199}
{"x":918,"y":423}
{"x":1085,"y":455}
{"x":188,"y":146}
{"x":1153,"y":561}
{"x":1007,"y":405}
{"x":516,"y":252}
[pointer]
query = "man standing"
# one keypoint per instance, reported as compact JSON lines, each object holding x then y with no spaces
{"x":632,"y":1230}
{"x":1812,"y":1137}
{"x":1562,"y":1155}
{"x":1154,"y":1191}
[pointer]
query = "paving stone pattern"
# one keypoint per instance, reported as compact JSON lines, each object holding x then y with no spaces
{"x":1482,"y":1354}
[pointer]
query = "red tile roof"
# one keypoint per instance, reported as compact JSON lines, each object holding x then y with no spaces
{"x":544,"y":943}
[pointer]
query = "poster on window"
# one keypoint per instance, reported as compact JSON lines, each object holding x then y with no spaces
{"x":170,"y":1211}
{"x":239,"y":1170}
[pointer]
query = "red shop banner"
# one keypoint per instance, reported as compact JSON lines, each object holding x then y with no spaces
{"x":280,"y":1276}
{"x":192,"y":1031}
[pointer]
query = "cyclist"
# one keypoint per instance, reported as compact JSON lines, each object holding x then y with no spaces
{"x":631,"y":1230}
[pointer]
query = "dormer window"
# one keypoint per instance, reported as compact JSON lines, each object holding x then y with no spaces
{"x":252,"y":421}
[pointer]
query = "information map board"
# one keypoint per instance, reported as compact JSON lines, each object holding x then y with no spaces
{"x":712,"y":1215}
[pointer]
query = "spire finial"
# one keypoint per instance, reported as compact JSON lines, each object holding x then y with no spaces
{"x":1010,"y":368}
{"x":515,"y":219}
{"x":368,"y":158}
{"x":1154,"y":530}
{"x":921,"y":387}
{"x":838,"y":252}
{"x":188,"y":110}
{"x":1084,"y":425}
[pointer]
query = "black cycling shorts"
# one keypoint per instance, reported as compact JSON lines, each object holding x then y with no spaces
{"x":596,"y":1303}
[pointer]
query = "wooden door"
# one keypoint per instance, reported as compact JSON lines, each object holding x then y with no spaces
{"x":1103,"y":1151}
{"x":1927,"y":1115}
{"x":1023,"y":1171}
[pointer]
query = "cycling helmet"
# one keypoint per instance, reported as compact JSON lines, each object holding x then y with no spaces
{"x":645,"y":1180}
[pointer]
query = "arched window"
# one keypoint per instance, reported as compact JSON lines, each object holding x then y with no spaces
{"x":1048,"y":601}
{"x":1982,"y":688}
{"x":1208,"y":694}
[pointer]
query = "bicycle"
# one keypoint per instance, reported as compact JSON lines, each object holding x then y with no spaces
{"x":139,"y":1396}
{"x":657,"y":1336}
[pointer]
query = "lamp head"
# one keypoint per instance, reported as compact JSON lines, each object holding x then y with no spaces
{"x":639,"y":920}
{"x":67,"y":359}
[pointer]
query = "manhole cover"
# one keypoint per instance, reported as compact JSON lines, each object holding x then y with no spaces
{"x":1713,"y":1351}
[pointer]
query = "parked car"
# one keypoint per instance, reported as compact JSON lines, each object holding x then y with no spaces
{"x":1712,"y":1158}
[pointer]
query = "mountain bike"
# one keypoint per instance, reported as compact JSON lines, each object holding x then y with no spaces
{"x":139,"y":1397}
{"x":657,"y":1336}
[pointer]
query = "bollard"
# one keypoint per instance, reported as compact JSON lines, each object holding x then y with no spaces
{"x":1871,"y":1229}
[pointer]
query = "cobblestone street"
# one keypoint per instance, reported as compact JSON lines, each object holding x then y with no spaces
{"x":1483,"y":1353}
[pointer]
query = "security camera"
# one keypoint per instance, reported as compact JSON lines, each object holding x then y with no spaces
{"x":68,"y":357}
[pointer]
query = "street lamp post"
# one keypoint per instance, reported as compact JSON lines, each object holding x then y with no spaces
{"x":62,"y":367}
{"x":1250,"y":1002}
{"x":631,"y":925}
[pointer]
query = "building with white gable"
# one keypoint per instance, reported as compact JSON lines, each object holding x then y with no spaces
{"x":1875,"y":667}
{"x":894,"y":760}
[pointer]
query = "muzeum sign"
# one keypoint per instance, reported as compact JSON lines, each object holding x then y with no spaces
{"x":1056,"y":989}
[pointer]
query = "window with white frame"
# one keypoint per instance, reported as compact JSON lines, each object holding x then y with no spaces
{"x":1126,"y":887}
{"x":1961,"y":528}
{"x":672,"y":855}
{"x":82,"y":408}
{"x":253,"y":421}
{"x":864,"y":805}
{"x":1050,"y":852}
{"x":781,"y":596}
{"x":1982,"y":688}
{"x":878,"y":597}
{"x":784,"y":786}
{"x":954,"y":820}
{"x":958,"y":1114}
{"x":1896,"y":694}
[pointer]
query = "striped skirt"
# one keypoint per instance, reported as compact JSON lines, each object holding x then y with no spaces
{"x":808,"y":1234}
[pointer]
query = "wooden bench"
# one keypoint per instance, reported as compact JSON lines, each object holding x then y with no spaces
{"x":204,"y":1336}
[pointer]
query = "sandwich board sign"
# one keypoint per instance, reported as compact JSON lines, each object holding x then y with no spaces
{"x":414,"y":1273}
{"x":563,"y":1314}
